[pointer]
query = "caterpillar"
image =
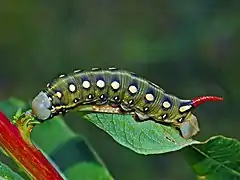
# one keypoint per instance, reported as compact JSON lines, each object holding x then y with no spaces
{"x":117,"y":91}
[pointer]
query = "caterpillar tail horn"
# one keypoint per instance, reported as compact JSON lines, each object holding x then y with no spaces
{"x":200,"y":100}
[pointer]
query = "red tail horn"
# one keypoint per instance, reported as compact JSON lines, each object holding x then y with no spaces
{"x":199,"y":100}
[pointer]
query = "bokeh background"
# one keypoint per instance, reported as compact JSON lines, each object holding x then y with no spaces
{"x":189,"y":48}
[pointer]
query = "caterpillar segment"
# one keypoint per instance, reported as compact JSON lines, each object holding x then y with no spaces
{"x":117,"y":91}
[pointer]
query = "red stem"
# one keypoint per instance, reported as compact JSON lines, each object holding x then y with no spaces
{"x":24,"y":153}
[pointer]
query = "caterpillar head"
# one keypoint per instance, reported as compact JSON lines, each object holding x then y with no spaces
{"x":189,"y":124}
{"x":41,"y":106}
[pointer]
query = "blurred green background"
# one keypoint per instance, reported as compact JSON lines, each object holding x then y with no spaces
{"x":189,"y":48}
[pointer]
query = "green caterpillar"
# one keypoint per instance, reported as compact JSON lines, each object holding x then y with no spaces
{"x":117,"y":91}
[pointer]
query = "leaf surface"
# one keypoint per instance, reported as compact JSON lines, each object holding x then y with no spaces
{"x":142,"y":137}
{"x":7,"y":174}
{"x":217,"y":158}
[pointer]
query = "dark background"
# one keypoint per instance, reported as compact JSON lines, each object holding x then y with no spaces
{"x":189,"y":48}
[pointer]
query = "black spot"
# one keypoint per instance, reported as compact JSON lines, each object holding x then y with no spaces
{"x":146,"y":109}
{"x":75,"y":100}
{"x":90,"y":96}
{"x":180,"y":120}
{"x":130,"y":102}
{"x":116,"y":98}
{"x":103,"y":97}
{"x":164,"y":116}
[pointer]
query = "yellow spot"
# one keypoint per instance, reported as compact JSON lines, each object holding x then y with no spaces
{"x":149,"y":97}
{"x":59,"y":94}
{"x":86,"y":84}
{"x":72,"y":87}
{"x":133,"y":89}
{"x":100,"y":83}
{"x":166,"y":104}
{"x":115,"y":85}
{"x":185,"y":108}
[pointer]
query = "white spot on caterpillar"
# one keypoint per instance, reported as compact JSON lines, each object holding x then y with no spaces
{"x":62,"y":75}
{"x":185,"y":108}
{"x":90,"y":96}
{"x":166,"y":104}
{"x":133,"y":89}
{"x":75,"y":100}
{"x":48,"y":85}
{"x":77,"y":71}
{"x":72,"y":87}
{"x":149,"y":97}
{"x":95,"y":69}
{"x":116,"y":98}
{"x":59,"y":94}
{"x":102,"y":96}
{"x":130,"y":101}
{"x":100,"y":83}
{"x":115,"y":85}
{"x":164,"y":116}
{"x":112,"y":68}
{"x":86,"y":84}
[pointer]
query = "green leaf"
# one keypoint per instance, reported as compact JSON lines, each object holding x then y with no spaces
{"x":142,"y":137}
{"x":88,"y":171}
{"x":7,"y":174}
{"x":216,"y":159}
{"x":11,"y":106}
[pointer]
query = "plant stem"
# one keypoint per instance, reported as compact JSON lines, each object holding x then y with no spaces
{"x":24,"y":153}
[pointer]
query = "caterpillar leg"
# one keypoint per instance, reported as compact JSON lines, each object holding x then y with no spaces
{"x":140,"y":117}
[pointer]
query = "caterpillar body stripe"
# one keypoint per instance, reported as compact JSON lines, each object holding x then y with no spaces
{"x":117,"y":91}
